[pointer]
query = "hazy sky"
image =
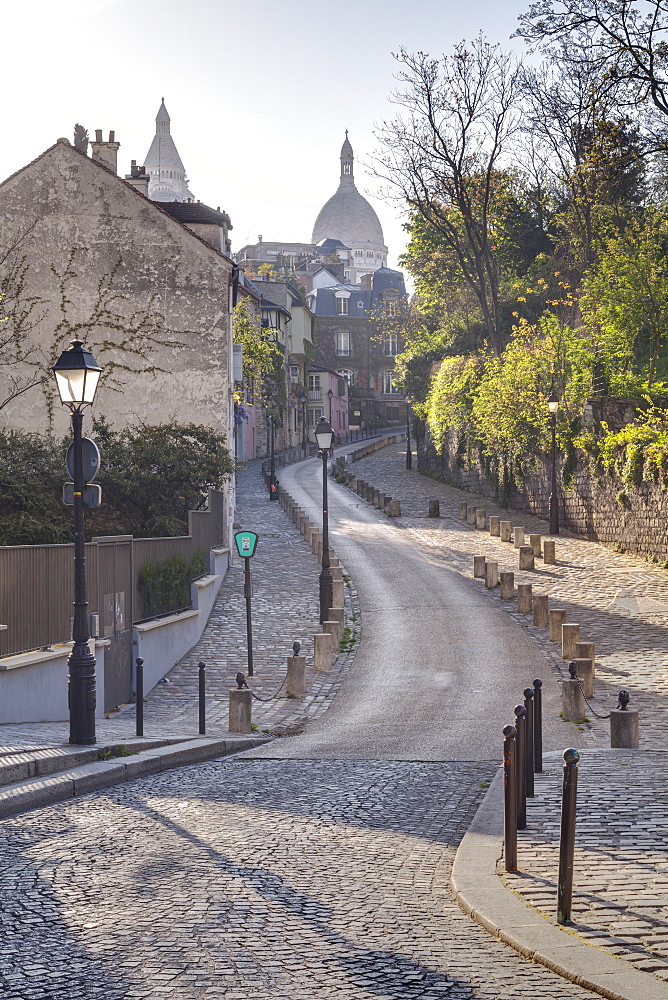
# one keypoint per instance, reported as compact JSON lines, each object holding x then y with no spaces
{"x":259,"y":93}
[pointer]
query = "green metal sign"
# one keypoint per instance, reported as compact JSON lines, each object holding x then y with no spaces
{"x":246,"y":542}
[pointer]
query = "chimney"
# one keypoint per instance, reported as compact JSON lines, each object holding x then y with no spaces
{"x":366,"y":281}
{"x":105,"y":153}
{"x":138,"y":178}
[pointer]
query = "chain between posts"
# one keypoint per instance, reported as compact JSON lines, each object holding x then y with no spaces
{"x":593,"y":711}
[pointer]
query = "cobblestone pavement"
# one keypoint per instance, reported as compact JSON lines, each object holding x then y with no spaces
{"x":620,"y":899}
{"x":285,"y":608}
{"x":619,"y":600}
{"x":276,"y":880}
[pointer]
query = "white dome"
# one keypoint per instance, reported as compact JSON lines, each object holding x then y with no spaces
{"x":348,"y":216}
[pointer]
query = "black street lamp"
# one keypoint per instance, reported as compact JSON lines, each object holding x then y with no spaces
{"x":409,"y":453}
{"x":303,"y":398}
{"x":77,"y":375}
{"x":272,"y":467}
{"x":330,"y":396}
{"x":324,"y":436}
{"x":553,"y":406}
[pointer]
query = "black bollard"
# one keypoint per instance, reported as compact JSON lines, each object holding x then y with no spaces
{"x":202,"y":699}
{"x":528,"y":748}
{"x":520,"y":725}
{"x":537,"y":725}
{"x":567,"y":838}
{"x":140,"y":696}
{"x":509,"y":797}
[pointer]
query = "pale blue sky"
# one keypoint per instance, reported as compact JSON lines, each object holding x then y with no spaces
{"x":259,"y":93}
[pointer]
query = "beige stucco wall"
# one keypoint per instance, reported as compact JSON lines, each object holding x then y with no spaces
{"x":75,"y":203}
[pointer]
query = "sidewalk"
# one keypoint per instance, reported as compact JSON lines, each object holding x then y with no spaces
{"x":618,"y":942}
{"x":285,"y":609}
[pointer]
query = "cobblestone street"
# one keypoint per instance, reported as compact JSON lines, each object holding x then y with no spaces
{"x":280,"y":880}
{"x":619,"y":600}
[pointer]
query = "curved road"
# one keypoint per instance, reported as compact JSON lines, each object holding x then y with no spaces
{"x":438,"y":669}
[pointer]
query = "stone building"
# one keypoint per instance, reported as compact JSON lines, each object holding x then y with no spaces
{"x":129,"y":259}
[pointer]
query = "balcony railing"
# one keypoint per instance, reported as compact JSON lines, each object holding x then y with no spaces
{"x":315,"y":395}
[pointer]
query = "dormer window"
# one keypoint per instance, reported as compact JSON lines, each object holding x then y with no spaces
{"x":341,"y":306}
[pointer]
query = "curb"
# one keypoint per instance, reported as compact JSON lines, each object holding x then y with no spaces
{"x":481,"y":893}
{"x":91,"y":777}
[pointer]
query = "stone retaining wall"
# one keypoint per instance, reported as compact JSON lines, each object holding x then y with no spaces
{"x":633,"y":519}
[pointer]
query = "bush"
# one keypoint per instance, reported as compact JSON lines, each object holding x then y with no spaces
{"x":165,"y":586}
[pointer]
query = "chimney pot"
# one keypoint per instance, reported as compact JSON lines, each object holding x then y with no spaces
{"x":133,"y":163}
{"x":112,"y":137}
{"x":98,"y":135}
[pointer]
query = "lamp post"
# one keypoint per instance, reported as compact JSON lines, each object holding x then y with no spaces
{"x":77,"y":375}
{"x":409,"y":453}
{"x":330,"y":396}
{"x":553,"y":406}
{"x":272,"y":467}
{"x":303,"y":397}
{"x":324,"y":436}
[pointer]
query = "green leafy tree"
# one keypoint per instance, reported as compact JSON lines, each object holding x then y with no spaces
{"x":32,"y":473}
{"x":262,"y":356}
{"x":625,"y":300}
{"x":152,"y":475}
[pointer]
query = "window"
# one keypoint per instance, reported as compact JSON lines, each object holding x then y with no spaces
{"x":343,"y":343}
{"x":348,"y":375}
{"x":346,"y":275}
{"x":369,"y":255}
{"x":346,"y":168}
{"x":359,"y":253}
{"x":314,"y":415}
{"x":313,"y":382}
{"x":341,"y":306}
{"x":391,"y":343}
{"x":391,"y":310}
{"x":378,"y":257}
{"x":389,"y":386}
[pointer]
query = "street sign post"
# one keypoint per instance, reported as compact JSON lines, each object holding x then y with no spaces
{"x":246,"y":543}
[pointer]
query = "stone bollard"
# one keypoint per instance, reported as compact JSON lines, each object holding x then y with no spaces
{"x":549,"y":557}
{"x":375,"y":499}
{"x":494,"y":525}
{"x":434,"y":508}
{"x":526,"y":557}
{"x":505,"y":531}
{"x":535,"y":543}
{"x":586,"y":651}
{"x":540,"y":610}
{"x":572,"y":702}
{"x":338,"y":593}
{"x":507,"y":592}
{"x":557,"y":618}
{"x":388,"y":504}
{"x":524,"y":598}
{"x":481,"y":519}
{"x":352,"y":484}
{"x":395,"y":508}
{"x":624,"y":728}
{"x":518,"y":537}
{"x":570,"y":634}
{"x":332,"y":627}
{"x":585,"y":671}
{"x":323,"y":651}
{"x":381,"y":501}
{"x":338,"y":615}
{"x":478,"y":567}
{"x":240,"y":711}
{"x":491,"y":575}
{"x":470,"y":514}
{"x":462,"y":511}
{"x":296,"y":682}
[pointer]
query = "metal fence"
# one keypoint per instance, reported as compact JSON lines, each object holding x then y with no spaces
{"x":37,"y":581}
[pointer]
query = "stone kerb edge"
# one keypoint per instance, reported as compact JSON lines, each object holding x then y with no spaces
{"x":481,"y":894}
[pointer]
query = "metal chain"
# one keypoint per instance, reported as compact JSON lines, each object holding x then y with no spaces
{"x":589,"y":704}
{"x":271,"y":696}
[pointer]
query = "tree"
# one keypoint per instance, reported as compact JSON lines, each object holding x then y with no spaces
{"x":443,"y":155}
{"x":262,"y":357}
{"x":32,"y":473}
{"x":152,"y":475}
{"x":626,"y":41}
{"x":625,"y":300}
